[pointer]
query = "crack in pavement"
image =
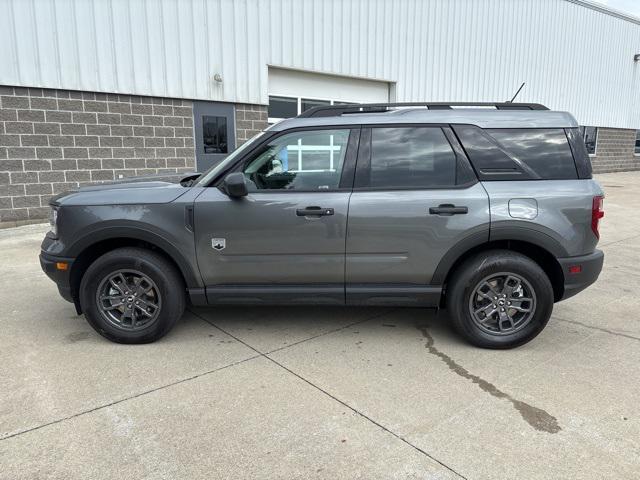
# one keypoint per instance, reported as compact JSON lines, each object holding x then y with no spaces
{"x":618,"y":241}
{"x":177,"y":382}
{"x":116,"y":402}
{"x":344,"y":327}
{"x":599,"y":329}
{"x":534,"y":416}
{"x":333,"y":397}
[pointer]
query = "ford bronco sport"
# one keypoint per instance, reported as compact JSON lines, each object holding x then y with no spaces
{"x":489,"y":211}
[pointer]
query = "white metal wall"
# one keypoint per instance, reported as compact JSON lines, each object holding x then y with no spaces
{"x":572,"y":57}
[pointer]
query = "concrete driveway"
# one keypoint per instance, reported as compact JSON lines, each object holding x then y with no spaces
{"x":275,"y":392}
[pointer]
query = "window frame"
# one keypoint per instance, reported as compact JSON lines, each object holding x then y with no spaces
{"x":365,"y":150}
{"x":348,"y":166}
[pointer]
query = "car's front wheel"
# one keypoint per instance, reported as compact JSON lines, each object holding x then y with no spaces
{"x":132,"y":295}
{"x":499,"y":299}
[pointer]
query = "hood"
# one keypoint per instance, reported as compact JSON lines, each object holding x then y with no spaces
{"x":127,"y":193}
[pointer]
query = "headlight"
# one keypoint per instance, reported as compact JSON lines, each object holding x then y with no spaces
{"x":53,"y":220}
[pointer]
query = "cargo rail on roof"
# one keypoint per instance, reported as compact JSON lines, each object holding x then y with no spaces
{"x":337,"y":110}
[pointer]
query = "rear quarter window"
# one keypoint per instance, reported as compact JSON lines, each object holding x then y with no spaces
{"x":546,"y":151}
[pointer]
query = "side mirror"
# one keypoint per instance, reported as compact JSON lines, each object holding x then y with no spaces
{"x":235,"y":185}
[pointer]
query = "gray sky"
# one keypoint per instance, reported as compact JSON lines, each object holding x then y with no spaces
{"x":627,"y":6}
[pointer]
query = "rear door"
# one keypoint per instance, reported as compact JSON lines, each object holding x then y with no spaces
{"x":415,"y":197}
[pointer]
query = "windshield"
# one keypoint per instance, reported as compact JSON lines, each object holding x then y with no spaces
{"x":216,"y":169}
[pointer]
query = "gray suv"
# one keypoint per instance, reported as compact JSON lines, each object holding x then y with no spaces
{"x":488,"y":210}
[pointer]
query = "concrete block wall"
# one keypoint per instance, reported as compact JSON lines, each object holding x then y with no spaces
{"x":614,"y":151}
{"x":250,"y":120}
{"x":55,"y":140}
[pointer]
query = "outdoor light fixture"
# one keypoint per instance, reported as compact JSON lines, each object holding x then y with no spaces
{"x":636,"y":57}
{"x":218,"y":78}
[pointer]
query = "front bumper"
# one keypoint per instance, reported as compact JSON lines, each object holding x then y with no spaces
{"x":62,"y":278}
{"x":590,"y":267}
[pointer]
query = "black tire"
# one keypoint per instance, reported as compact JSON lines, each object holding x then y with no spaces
{"x":168,"y":282}
{"x":470,"y":274}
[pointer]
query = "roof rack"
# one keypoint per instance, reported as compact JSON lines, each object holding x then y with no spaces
{"x":337,"y":110}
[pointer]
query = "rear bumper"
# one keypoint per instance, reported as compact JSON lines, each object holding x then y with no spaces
{"x":60,"y":277}
{"x":590,"y":267}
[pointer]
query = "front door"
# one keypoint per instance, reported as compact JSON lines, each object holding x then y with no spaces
{"x":285,"y":241}
{"x":415,"y":197}
{"x":214,"y":125}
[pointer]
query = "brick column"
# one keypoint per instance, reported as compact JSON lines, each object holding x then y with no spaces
{"x":250,"y":120}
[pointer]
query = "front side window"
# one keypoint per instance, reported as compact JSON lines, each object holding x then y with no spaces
{"x":590,"y":135}
{"x":407,"y":157}
{"x":308,"y":160}
{"x":637,"y":147}
{"x":546,"y":151}
{"x":214,"y":134}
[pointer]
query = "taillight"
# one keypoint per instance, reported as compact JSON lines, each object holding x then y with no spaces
{"x":597,"y":212}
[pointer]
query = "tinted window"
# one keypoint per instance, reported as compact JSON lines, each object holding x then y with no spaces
{"x":418,"y":157}
{"x":214,"y":134}
{"x":490,"y":162}
{"x":545,"y":151}
{"x":282,"y":107}
{"x":310,"y":160}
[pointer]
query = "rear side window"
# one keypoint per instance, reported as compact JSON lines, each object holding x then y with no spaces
{"x":488,"y":159}
{"x":546,"y":151}
{"x":411,"y":157}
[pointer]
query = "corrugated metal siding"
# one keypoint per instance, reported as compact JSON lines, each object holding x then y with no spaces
{"x":572,"y":57}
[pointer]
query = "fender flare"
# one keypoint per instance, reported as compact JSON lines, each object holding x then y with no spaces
{"x":188,"y":268}
{"x":507,"y":232}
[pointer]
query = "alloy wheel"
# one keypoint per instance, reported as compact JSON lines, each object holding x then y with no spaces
{"x":128,"y":299}
{"x":502,"y":303}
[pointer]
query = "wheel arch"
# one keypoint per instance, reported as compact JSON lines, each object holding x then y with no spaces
{"x":89,"y":248}
{"x":546,"y":259}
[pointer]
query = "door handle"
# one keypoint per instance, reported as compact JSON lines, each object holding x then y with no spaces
{"x":314,"y":212}
{"x":448,"y":209}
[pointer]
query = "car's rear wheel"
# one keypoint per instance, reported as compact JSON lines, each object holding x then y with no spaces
{"x":499,"y":299}
{"x":132,"y":295}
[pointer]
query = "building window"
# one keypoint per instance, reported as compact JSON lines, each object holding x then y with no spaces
{"x":283,"y":107}
{"x":636,"y":149}
{"x":288,"y":107}
{"x":306,"y":104}
{"x":590,"y":135}
{"x":214,"y":134}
